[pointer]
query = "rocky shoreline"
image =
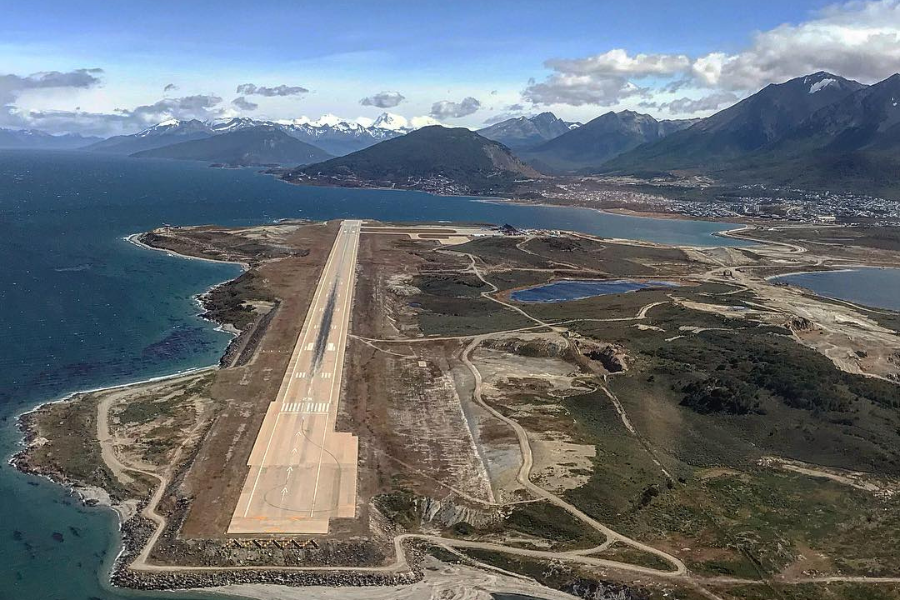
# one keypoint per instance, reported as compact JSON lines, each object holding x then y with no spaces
{"x":136,"y":530}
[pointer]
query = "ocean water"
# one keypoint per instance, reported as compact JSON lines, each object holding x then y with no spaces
{"x":81,"y":308}
{"x":578,"y":289}
{"x":879,"y":288}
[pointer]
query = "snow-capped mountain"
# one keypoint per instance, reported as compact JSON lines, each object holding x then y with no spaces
{"x":329,"y":132}
{"x":339,"y":137}
{"x":519,"y":133}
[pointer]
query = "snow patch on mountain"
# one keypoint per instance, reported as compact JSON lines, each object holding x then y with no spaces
{"x":822,"y":84}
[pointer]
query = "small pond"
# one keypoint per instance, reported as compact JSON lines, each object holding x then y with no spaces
{"x":578,"y":289}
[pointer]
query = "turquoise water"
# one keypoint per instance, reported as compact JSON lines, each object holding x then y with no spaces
{"x":571,"y":289}
{"x":879,"y":288}
{"x":82,"y":308}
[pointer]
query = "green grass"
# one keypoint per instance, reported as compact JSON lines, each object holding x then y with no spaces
{"x":552,"y":523}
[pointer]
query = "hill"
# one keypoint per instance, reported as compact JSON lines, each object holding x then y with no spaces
{"x":166,"y":133}
{"x":526,"y":132}
{"x":259,"y":145}
{"x":435,"y":158}
{"x":740,"y":129}
{"x":599,"y":140}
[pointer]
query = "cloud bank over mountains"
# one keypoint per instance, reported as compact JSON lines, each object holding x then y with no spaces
{"x":859,"y":40}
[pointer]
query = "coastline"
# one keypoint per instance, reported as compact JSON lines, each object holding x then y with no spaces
{"x":136,"y":527}
{"x":844,"y":269}
{"x":634,"y":214}
{"x":620,"y":211}
{"x":136,"y":239}
{"x":93,"y":496}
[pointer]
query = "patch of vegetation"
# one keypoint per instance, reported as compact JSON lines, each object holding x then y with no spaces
{"x":227,"y":303}
{"x":740,"y":566}
{"x":548,"y":521}
{"x":614,"y":259}
{"x":72,"y":452}
{"x":504,"y":251}
{"x":401,"y":507}
{"x":580,"y":581}
{"x":720,"y":395}
{"x":460,"y":285}
{"x":812,"y":591}
{"x":799,"y":377}
{"x":633,"y":556}
{"x":443,"y":555}
{"x":465,"y":316}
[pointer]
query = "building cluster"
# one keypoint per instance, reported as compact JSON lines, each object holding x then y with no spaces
{"x":809,"y":206}
{"x":757,"y":201}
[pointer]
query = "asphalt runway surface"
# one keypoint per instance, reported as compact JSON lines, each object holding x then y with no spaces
{"x":302,"y":472}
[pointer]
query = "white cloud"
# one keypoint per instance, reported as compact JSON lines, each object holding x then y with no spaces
{"x":424,"y":121}
{"x":244,"y":104}
{"x":578,"y":90}
{"x":604,"y":79}
{"x":859,"y":40}
{"x":249,"y":89}
{"x":383,"y":99}
{"x":690,"y":106}
{"x":617,"y":62}
{"x":446,"y":109}
{"x":202,"y":107}
{"x":12,"y":86}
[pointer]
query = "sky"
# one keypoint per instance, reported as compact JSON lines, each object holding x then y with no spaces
{"x":102,"y":68}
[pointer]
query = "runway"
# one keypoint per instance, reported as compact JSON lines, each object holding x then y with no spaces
{"x":302,"y":472}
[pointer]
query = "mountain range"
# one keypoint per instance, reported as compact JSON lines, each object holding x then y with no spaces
{"x":32,"y":139}
{"x":599,"y":140}
{"x":818,"y":131}
{"x":741,"y":129}
{"x":329,"y":133}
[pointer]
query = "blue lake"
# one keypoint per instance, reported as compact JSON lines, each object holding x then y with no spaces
{"x":879,"y":288}
{"x":572,"y":289}
{"x":82,"y":308}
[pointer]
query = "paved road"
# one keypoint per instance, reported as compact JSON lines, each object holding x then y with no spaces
{"x":302,"y":472}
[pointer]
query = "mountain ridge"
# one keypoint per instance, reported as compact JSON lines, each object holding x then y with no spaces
{"x":523,"y":132}
{"x":740,"y":129}
{"x":33,"y":139}
{"x":599,"y":140}
{"x":260,"y":145}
